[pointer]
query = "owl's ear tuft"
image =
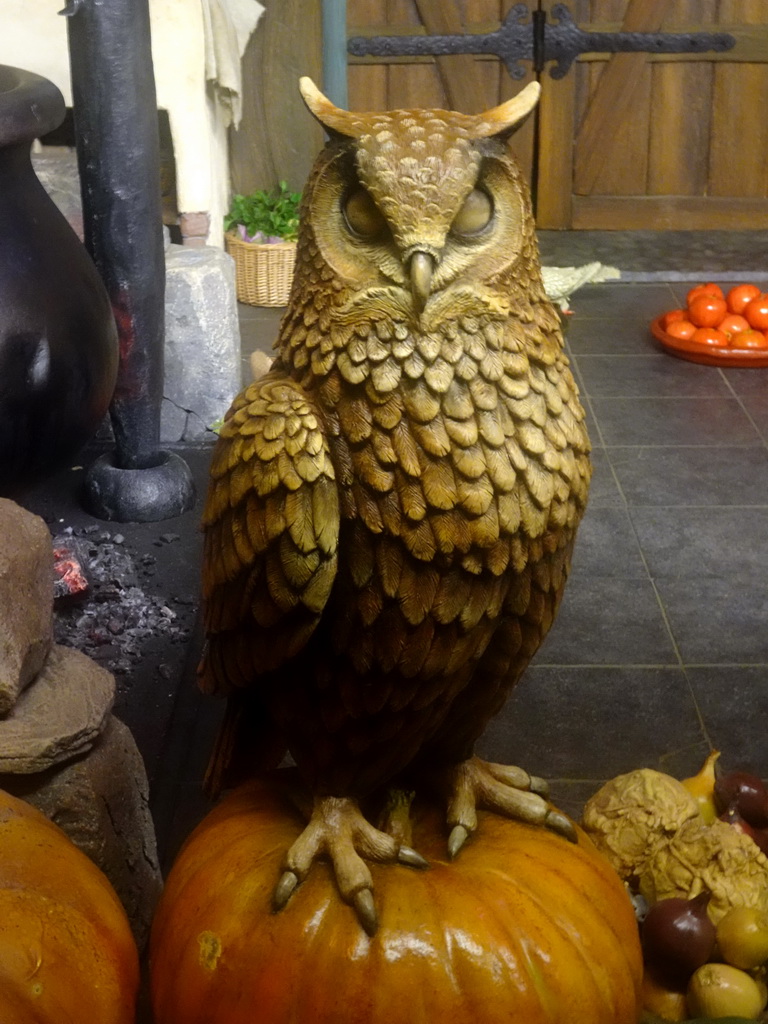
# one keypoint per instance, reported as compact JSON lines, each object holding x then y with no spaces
{"x":503,"y":120}
{"x":331,"y":117}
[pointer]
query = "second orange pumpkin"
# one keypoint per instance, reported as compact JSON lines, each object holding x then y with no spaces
{"x":66,"y":949}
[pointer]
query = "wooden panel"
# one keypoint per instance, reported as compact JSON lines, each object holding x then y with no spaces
{"x":623,"y":92}
{"x":621,"y":168}
{"x":618,"y":163}
{"x":464,"y":82}
{"x":462,"y":86}
{"x":490,"y":74}
{"x":680,"y":104}
{"x":367,"y":86}
{"x":554,"y":170}
{"x":751,"y":43}
{"x":277,"y":138}
{"x":694,"y":213}
{"x":412,"y":85}
{"x":522,"y":142}
{"x":739,"y":163}
{"x":367,"y":83}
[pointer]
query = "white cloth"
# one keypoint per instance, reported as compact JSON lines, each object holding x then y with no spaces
{"x":561,"y":282}
{"x":228,"y":25}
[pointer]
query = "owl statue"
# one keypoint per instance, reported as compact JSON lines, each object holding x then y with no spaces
{"x":392,"y":507}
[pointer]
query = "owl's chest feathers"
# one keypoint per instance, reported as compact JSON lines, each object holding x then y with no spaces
{"x":459,"y":446}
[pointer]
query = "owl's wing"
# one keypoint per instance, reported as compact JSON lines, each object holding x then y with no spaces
{"x":271,"y":525}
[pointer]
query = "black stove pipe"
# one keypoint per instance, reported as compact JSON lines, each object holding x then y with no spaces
{"x":116,"y":129}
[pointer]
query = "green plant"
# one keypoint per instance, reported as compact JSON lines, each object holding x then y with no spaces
{"x":265,"y":216}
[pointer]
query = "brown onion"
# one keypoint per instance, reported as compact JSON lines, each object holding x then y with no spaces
{"x":758,"y":835}
{"x":745,"y":792}
{"x":678,"y":936}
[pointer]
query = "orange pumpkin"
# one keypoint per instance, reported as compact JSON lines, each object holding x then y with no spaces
{"x":523,"y":928}
{"x":66,"y":949}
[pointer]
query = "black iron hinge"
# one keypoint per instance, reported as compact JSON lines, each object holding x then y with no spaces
{"x":539,"y":41}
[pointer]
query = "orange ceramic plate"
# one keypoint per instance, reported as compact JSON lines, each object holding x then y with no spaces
{"x":686,"y":348}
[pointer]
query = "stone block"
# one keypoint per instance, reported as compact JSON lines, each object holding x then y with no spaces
{"x":59,"y":716}
{"x":57,"y":170}
{"x":26,"y":599}
{"x":101,"y":802}
{"x":202,"y":342}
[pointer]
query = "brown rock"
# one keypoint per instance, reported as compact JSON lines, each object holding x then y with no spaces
{"x":101,"y":802}
{"x":60,"y":716}
{"x":26,"y":599}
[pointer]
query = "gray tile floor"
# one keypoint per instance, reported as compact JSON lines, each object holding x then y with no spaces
{"x":661,"y":255}
{"x":661,"y":646}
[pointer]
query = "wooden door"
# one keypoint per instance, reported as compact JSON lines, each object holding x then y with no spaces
{"x":626,"y":141}
{"x":660,"y":141}
{"x":277,"y":139}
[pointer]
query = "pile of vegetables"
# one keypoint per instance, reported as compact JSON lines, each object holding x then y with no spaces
{"x":738,"y":319}
{"x":693,"y":854}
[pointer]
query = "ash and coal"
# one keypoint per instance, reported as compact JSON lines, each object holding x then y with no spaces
{"x":101,"y":606}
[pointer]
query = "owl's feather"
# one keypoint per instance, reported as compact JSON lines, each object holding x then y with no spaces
{"x":271,"y":534}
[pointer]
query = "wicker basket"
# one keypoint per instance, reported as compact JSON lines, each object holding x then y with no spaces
{"x":263,"y":271}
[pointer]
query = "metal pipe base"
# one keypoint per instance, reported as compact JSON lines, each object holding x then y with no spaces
{"x":146,"y":495}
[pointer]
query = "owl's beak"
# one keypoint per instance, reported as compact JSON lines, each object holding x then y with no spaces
{"x":421,"y":266}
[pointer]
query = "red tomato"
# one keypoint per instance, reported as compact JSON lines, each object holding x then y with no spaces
{"x":750,"y":339}
{"x":733,"y":324}
{"x":756,"y":311}
{"x":671,"y":317}
{"x":707,"y":311}
{"x":681,"y":329}
{"x":705,"y":289}
{"x":710,"y":336}
{"x":740,"y":295}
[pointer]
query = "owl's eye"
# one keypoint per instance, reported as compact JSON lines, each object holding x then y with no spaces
{"x":363,"y":215}
{"x":474,"y":215}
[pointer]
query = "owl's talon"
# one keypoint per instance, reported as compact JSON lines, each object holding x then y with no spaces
{"x":365,"y":909}
{"x":504,"y":789}
{"x":539,"y":786}
{"x":406,"y":855}
{"x":338,"y":830}
{"x":557,"y":822}
{"x":459,"y":835}
{"x":284,"y":889}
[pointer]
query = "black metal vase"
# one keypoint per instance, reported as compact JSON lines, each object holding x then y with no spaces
{"x":58,"y":340}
